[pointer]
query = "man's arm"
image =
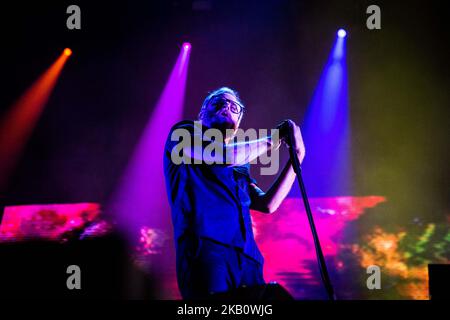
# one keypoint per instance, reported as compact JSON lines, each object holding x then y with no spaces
{"x":269,"y":201}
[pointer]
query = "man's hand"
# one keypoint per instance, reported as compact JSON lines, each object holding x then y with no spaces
{"x":285,"y":128}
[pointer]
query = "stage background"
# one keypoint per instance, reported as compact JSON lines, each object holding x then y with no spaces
{"x":393,"y":208}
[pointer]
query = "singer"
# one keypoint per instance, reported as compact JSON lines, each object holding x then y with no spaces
{"x":215,"y":247}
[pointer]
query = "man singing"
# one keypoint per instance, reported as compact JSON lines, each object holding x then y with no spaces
{"x":211,"y":202}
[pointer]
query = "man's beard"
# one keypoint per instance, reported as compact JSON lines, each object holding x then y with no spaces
{"x":221,"y":123}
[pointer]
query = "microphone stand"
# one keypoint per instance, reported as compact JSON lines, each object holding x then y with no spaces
{"x":320,"y":257}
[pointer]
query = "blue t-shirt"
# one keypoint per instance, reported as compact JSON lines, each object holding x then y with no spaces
{"x":210,"y":200}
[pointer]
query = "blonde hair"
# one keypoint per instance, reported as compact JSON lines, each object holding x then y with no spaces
{"x":216,"y":93}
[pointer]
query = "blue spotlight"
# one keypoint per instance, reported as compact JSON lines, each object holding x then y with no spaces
{"x":327,"y":170}
{"x":341,"y":33}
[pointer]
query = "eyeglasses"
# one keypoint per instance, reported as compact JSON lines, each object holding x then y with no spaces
{"x":219,"y":103}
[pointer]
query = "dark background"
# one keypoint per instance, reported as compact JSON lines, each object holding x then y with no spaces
{"x":272,"y":52}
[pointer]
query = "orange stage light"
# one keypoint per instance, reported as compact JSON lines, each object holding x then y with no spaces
{"x":67,"y":52}
{"x":18,"y":123}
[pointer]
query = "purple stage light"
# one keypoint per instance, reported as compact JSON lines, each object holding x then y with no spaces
{"x":341,"y":33}
{"x":139,"y":199}
{"x":186,"y":46}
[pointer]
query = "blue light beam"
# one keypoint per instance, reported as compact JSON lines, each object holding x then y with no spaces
{"x":326,"y":130}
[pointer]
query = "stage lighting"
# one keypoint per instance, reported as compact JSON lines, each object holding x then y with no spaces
{"x":341,"y":33}
{"x":67,"y":51}
{"x":16,"y":126}
{"x":186,"y":46}
{"x":130,"y":202}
